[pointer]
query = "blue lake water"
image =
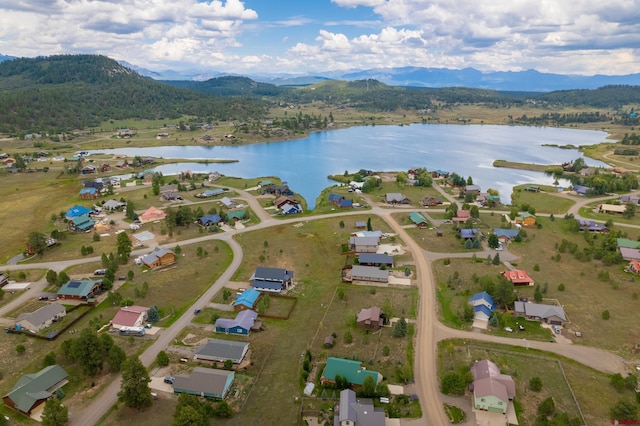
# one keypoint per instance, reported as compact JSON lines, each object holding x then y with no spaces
{"x":468,"y":150}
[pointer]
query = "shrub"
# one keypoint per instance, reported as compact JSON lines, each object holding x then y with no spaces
{"x":348,"y":338}
{"x":606,"y":315}
{"x":560,"y":287}
{"x":535,"y":384}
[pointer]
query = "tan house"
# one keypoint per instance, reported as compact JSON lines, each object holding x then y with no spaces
{"x":42,"y":318}
{"x":159,"y":257}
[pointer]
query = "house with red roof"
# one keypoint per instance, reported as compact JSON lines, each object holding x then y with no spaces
{"x":130,"y":316}
{"x":518,"y":277}
{"x":462,"y":216}
{"x":152,"y":214}
{"x":634,"y":266}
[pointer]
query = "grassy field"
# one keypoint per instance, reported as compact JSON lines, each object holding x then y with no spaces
{"x":592,"y":390}
{"x":542,"y":201}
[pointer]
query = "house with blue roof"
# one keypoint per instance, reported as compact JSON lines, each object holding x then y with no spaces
{"x":440,"y":174}
{"x":581,"y":190}
{"x":89,"y":193}
{"x":335,"y":198}
{"x":468,"y":234}
{"x":241,"y":324}
{"x":210,"y":193}
{"x":345,"y":203}
{"x":483,"y":305}
{"x":505,"y":236}
{"x":246,"y":300}
{"x":207,"y":221}
{"x":76,"y":211}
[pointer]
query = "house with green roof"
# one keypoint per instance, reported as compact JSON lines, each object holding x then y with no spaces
{"x":627,"y":243}
{"x":83,"y":290}
{"x":235,"y":216}
{"x":419,"y":220}
{"x":350,"y":370}
{"x":80,"y":223}
{"x":31,"y":390}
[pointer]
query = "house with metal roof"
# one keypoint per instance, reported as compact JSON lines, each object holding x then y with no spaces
{"x":32,"y":390}
{"x":468,"y":234}
{"x":159,"y":257}
{"x":354,"y":411}
{"x":205,"y":382}
{"x":396,"y":198}
{"x":246,"y":300}
{"x":369,"y":274}
{"x":272,"y":280}
{"x":550,"y":314}
{"x":518,"y":277}
{"x":113,"y":205}
{"x":241,"y":324}
{"x":152,"y":214}
{"x":370,"y":318}
{"x":89,"y":193}
{"x":130,"y":316}
{"x":212,"y":219}
{"x":625,"y":242}
{"x":364,"y":244}
{"x":505,"y":236}
{"x":350,"y":369}
{"x":81,"y":223}
{"x":80,"y":289}
{"x":222,"y":350}
{"x":483,"y":305}
{"x":375,"y":259}
{"x":41,"y":318}
{"x":629,"y":253}
{"x":581,"y":189}
{"x":492,"y":390}
{"x":229,"y":203}
{"x":418,"y":220}
{"x":76,"y":211}
{"x":235,"y":216}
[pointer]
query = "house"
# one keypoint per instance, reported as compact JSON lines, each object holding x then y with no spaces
{"x":171,"y":187}
{"x":210,"y":193}
{"x":287,"y":209}
{"x":368,"y":234}
{"x":430,"y":201}
{"x":80,"y":289}
{"x":492,"y":390}
{"x":371,"y":318}
{"x":228,"y":202}
{"x":105,"y":167}
{"x":125,"y":133}
{"x":4,"y":279}
{"x":505,"y":236}
{"x":483,"y":305}
{"x":396,"y":198}
{"x":581,"y":190}
{"x":335,"y":199}
{"x":122,"y":164}
{"x":351,"y":370}
{"x":612,"y":208}
{"x":222,"y":350}
{"x":233,"y":217}
{"x":345,"y":203}
{"x":369,"y":274}
{"x":625,"y":242}
{"x":88,"y":170}
{"x":532,"y":188}
{"x":205,"y":382}
{"x":468,"y":234}
{"x":76,"y":211}
{"x":418,"y":220}
{"x":41,"y":318}
{"x":32,"y":390}
{"x":633,"y":199}
{"x":241,"y":324}
{"x":163,"y":135}
{"x":629,"y":253}
{"x":209,"y":220}
{"x":526,"y":219}
{"x":550,"y":314}
{"x":151,"y":215}
{"x":518,"y":277}
{"x":112,"y":205}
{"x":375,"y":259}
{"x":246,"y":300}
{"x":130,"y":316}
{"x":487,"y":200}
{"x":89,"y":193}
{"x":592,"y":226}
{"x":364,"y":244}
{"x":440,"y":174}
{"x":159,"y":257}
{"x":462,"y":216}
{"x":634,"y":266}
{"x":213,"y":176}
{"x":354,"y":411}
{"x":471,"y":190}
{"x":80,"y":223}
{"x":360,"y":225}
{"x":271,"y":279}
{"x":282,"y":200}
{"x":171,"y":196}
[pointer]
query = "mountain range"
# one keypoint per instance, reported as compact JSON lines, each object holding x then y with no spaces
{"x":527,"y":81}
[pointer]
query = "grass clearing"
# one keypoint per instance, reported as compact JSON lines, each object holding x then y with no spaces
{"x":542,"y":201}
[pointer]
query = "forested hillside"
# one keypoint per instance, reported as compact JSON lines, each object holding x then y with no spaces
{"x":61,"y":93}
{"x":604,"y":97}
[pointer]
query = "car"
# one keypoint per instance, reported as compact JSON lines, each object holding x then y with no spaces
{"x":500,"y":248}
{"x":556,"y":329}
{"x":197,"y":311}
{"x":43,"y":298}
{"x":509,"y":329}
{"x":520,"y":327}
{"x":169,"y":379}
{"x":100,"y":272}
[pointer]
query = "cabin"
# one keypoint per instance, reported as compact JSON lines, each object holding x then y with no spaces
{"x":418,"y":219}
{"x":159,"y":257}
{"x":83,"y":290}
{"x":526,"y":219}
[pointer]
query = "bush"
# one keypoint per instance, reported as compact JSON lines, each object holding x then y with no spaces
{"x":20,"y":349}
{"x":348,"y":338}
{"x":560,"y":287}
{"x":162,"y":358}
{"x":535,"y":384}
{"x":606,"y":315}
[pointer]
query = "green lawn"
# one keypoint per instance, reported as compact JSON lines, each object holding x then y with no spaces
{"x":542,"y":201}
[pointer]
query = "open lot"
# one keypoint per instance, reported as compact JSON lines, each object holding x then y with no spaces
{"x":543,"y":201}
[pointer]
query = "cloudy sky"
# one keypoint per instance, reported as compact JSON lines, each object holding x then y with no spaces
{"x":306,"y":36}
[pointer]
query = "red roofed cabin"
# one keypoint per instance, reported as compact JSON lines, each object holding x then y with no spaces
{"x":518,"y":277}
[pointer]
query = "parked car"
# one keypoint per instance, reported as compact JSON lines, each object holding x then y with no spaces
{"x":556,"y":329}
{"x":169,"y":379}
{"x":197,"y":311}
{"x":509,"y":329}
{"x":520,"y":327}
{"x":99,"y":272}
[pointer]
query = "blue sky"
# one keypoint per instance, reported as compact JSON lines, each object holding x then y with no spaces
{"x":322,"y":36}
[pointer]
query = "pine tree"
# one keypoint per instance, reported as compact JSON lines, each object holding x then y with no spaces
{"x":134,"y":390}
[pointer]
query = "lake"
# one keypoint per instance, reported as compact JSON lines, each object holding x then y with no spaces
{"x":468,"y":150}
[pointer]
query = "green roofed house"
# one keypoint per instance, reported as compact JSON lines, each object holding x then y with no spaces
{"x":627,"y":243}
{"x":81,"y":223}
{"x":235,"y":216}
{"x":79,"y":289}
{"x":35,"y":389}
{"x":419,"y":220}
{"x":349,"y":369}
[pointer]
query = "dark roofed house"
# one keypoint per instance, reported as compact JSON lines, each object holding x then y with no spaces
{"x":581,"y":189}
{"x":31,"y":390}
{"x":354,"y":411}
{"x":592,"y":226}
{"x":241,"y":324}
{"x":222,"y":350}
{"x":212,"y":219}
{"x":483,"y":305}
{"x":505,"y":235}
{"x":371,"y":318}
{"x":375,"y":259}
{"x":41,"y":318}
{"x":472,"y":189}
{"x":430,"y":201}
{"x":205,"y":382}
{"x":272,"y":280}
{"x":396,"y":198}
{"x":335,"y":199}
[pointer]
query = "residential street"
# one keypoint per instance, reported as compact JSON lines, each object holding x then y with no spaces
{"x":429,"y":329}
